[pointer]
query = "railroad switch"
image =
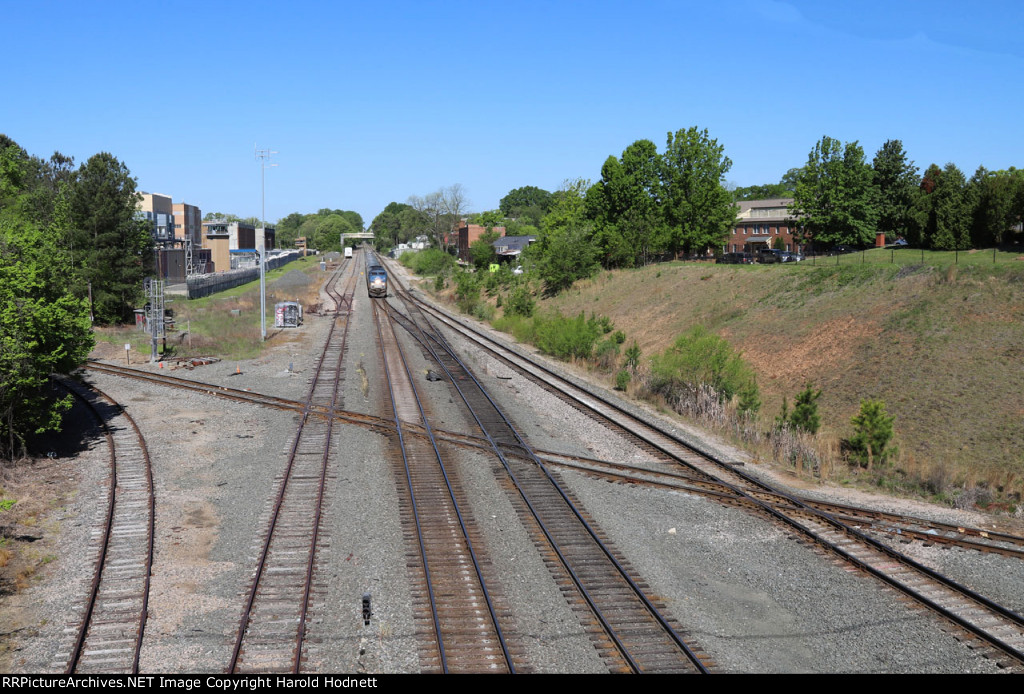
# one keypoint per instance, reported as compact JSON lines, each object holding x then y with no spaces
{"x":367,"y":611}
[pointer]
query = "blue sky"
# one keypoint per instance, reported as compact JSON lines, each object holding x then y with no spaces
{"x":367,"y":103}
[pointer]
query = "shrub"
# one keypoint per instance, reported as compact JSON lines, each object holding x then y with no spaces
{"x":701,"y":358}
{"x":483,"y":311}
{"x":607,"y":354}
{"x":467,"y":291}
{"x":873,"y":431}
{"x":566,"y":338}
{"x":520,"y":303}
{"x":622,"y":380}
{"x":429,"y":261}
{"x":805,"y":412}
{"x":632,"y":356}
{"x":520,"y":327}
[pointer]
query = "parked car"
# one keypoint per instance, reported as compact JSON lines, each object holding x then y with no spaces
{"x":841,"y":249}
{"x":769,"y":255}
{"x":737,"y":258}
{"x":791,"y":257}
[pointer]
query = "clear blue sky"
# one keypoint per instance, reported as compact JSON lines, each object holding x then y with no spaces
{"x":370,"y":102}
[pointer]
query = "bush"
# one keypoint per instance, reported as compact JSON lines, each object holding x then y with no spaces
{"x":520,"y":327}
{"x":873,"y":431}
{"x":566,"y":338}
{"x":429,"y":261}
{"x":520,"y":303}
{"x":607,"y":354}
{"x":632,"y":356}
{"x":805,"y":412}
{"x":701,"y":358}
{"x":622,"y":380}
{"x":467,"y":291}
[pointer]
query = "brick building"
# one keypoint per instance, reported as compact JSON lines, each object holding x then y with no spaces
{"x":468,"y":233}
{"x":763,"y":224}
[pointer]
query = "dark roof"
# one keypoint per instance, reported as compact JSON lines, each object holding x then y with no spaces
{"x":514,"y":243}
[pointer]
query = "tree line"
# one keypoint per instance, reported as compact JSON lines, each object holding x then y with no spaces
{"x":839,"y":197}
{"x":322,"y":229}
{"x":649,"y":206}
{"x":67,"y":235}
{"x":436,"y":215}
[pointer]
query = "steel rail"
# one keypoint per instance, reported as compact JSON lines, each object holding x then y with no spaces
{"x":279,"y":502}
{"x":803,"y":507}
{"x":979,"y":539}
{"x":439,"y":631}
{"x":652,"y":610}
{"x":97,"y":580}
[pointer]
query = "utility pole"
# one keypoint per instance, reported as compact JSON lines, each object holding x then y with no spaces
{"x":263,"y":155}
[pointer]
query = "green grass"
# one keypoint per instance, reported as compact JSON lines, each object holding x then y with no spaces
{"x":215,"y":330}
{"x":941,"y":342}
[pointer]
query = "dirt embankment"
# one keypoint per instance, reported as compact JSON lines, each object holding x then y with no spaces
{"x":941,"y":348}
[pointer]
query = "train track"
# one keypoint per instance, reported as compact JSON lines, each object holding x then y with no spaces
{"x":630,"y":630}
{"x":897,"y":527}
{"x":458,"y":611}
{"x":108,"y":638}
{"x":272,"y":627}
{"x":736,"y":488}
{"x":1000,"y":628}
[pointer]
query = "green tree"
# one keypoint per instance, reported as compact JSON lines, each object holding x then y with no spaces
{"x":112,"y":248}
{"x":873,"y":432}
{"x":481,"y":252}
{"x":328,"y":231}
{"x":698,"y":208}
{"x":528,"y":204}
{"x":897,"y":183}
{"x":565,"y":251}
{"x":994,"y":198}
{"x":946,"y":209}
{"x":834,"y":195}
{"x":805,"y":413}
{"x":489,"y":219}
{"x":765,"y":191}
{"x":44,"y":327}
{"x":287,"y":229}
{"x":626,"y":207}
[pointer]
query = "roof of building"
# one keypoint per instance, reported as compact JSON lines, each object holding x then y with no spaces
{"x":776,"y":209}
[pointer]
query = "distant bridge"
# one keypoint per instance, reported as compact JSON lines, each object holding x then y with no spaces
{"x":361,"y":235}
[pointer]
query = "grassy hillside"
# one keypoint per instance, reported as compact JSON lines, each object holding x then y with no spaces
{"x":941,"y":344}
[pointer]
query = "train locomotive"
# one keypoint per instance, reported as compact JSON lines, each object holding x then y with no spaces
{"x":376,"y":280}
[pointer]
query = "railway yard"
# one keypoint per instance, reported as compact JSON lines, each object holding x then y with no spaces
{"x":403,"y":492}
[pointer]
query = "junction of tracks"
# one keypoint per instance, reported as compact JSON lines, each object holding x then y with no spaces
{"x":415,"y":497}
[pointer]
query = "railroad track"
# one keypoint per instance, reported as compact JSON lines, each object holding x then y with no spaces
{"x":272,"y":627}
{"x":897,"y":527}
{"x":458,"y":597}
{"x":1000,"y":628}
{"x":108,"y":637}
{"x":630,"y":630}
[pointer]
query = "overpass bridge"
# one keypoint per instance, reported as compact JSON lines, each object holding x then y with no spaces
{"x":367,"y":235}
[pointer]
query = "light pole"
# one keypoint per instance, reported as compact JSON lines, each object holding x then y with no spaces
{"x":261,"y":247}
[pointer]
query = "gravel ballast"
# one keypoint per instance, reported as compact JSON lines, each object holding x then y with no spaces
{"x":754,"y":598}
